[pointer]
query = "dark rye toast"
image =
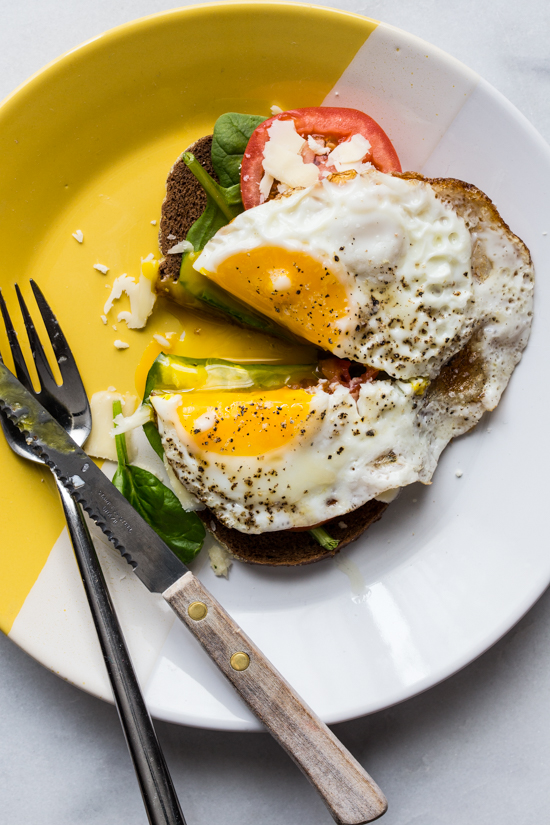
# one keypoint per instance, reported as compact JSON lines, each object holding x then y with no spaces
{"x":292,"y":547}
{"x":184,"y":203}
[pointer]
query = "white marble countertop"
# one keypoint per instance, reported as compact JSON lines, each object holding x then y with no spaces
{"x":474,"y":749}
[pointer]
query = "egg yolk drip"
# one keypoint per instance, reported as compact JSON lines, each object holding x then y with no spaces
{"x":251,"y":424}
{"x":292,"y":288}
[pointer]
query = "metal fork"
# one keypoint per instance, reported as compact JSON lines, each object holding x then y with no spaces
{"x":69,"y":404}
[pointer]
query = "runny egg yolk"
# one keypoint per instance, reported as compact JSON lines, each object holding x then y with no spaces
{"x":290,"y":287}
{"x":241,"y":424}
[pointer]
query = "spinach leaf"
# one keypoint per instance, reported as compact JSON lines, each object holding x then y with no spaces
{"x":183,"y":532}
{"x":222,"y":205}
{"x":232,"y":132}
{"x":154,"y":438}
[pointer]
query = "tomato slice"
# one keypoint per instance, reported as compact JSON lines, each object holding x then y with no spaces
{"x":334,"y":125}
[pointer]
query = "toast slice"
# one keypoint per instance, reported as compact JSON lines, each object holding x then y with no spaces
{"x":184,"y":203}
{"x":468,"y":385}
{"x":292,"y":548}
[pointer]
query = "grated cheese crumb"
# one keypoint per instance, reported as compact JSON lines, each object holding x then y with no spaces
{"x":153,"y":223}
{"x":220,"y":560}
{"x":78,"y":235}
{"x":342,"y":525}
{"x":459,"y":474}
{"x":101,"y":268}
{"x":276,"y":110}
{"x":160,"y":339}
{"x":182,"y":246}
{"x":123,"y":424}
{"x":121,"y":344}
{"x":142,"y":299}
{"x":103,"y":318}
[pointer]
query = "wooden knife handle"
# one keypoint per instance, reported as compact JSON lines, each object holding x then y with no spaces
{"x":351,"y":796}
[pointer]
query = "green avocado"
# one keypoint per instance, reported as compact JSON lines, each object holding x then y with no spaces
{"x":178,"y":373}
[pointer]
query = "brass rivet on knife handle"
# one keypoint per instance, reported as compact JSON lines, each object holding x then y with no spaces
{"x":240,"y":661}
{"x":197,"y":610}
{"x":351,"y":796}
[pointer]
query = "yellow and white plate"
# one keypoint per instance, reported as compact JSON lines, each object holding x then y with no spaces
{"x":87,"y":144}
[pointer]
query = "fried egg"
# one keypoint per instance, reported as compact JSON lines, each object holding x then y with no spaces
{"x":370,"y":267}
{"x":271,"y":460}
{"x":412,"y":277}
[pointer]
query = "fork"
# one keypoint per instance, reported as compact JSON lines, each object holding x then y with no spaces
{"x":69,"y":404}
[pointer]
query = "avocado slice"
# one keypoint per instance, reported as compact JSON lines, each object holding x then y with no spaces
{"x":179,"y":373}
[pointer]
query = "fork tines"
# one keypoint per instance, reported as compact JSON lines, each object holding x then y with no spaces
{"x":58,"y":399}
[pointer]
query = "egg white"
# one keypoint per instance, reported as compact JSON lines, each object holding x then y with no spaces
{"x":351,"y":452}
{"x":401,"y":254}
{"x":356,"y":450}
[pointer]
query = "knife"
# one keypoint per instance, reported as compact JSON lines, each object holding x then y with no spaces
{"x":347,"y":790}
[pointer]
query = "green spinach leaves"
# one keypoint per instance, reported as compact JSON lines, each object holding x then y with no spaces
{"x":182,"y":531}
{"x":232,"y":132}
{"x":222,"y":205}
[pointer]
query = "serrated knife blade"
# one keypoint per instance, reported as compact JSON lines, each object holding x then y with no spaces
{"x":152,"y":560}
{"x":351,"y":796}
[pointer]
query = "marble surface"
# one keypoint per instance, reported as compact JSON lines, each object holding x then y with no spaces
{"x":474,"y":749}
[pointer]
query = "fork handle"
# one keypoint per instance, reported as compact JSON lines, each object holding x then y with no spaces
{"x":347,"y":790}
{"x":155,"y":783}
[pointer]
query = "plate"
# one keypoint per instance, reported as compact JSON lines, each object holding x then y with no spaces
{"x":87,"y":144}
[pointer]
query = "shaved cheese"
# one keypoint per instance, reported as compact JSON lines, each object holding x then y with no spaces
{"x":317,"y":146}
{"x":103,"y":318}
{"x":276,"y":110}
{"x":349,"y":154}
{"x":282,"y":159}
{"x":142,"y":300}
{"x":182,"y":246}
{"x":160,"y":339}
{"x":101,"y":268}
{"x":220,"y":560}
{"x":121,"y":344}
{"x":100,"y":442}
{"x":78,"y":235}
{"x":153,"y":223}
{"x":124,"y":424}
{"x":265,"y":185}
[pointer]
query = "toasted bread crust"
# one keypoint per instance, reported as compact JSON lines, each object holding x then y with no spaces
{"x":184,"y":203}
{"x":292,"y":548}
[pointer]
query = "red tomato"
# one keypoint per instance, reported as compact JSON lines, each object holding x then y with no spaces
{"x":334,"y":125}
